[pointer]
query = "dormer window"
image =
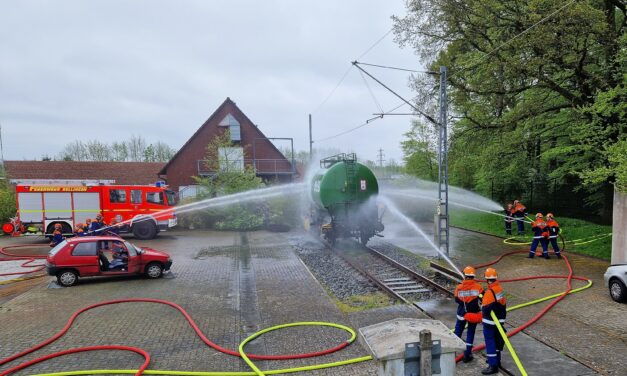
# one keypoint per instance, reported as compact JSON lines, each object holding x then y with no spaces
{"x":234,"y":127}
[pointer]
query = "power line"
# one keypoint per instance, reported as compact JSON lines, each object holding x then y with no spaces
{"x":397,"y":68}
{"x":371,"y":93}
{"x":425,"y":115}
{"x":348,"y":71}
{"x":511,"y":40}
{"x":359,"y":126}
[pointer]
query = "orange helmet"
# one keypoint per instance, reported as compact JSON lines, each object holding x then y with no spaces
{"x":490,"y":273}
{"x":80,"y":230}
{"x":57,"y":226}
{"x":549,"y":215}
{"x":469,"y":271}
{"x":539,"y":215}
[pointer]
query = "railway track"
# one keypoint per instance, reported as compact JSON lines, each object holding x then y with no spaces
{"x":392,"y":277}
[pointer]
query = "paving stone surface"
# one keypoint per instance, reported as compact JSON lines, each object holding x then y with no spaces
{"x":231,"y":284}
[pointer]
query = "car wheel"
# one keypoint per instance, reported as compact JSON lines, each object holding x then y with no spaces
{"x":618,"y":291}
{"x":67,"y":278}
{"x":154,"y":270}
{"x":144,"y":230}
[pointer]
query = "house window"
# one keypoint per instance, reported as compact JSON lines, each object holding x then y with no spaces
{"x":234,"y":127}
{"x":117,"y":195}
{"x":231,"y":159}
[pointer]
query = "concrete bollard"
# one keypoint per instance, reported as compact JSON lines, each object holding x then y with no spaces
{"x":391,"y":342}
{"x":425,"y":352}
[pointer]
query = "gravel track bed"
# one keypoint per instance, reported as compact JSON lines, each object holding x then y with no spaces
{"x":331,"y":271}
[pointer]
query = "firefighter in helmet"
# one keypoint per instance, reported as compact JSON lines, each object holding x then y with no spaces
{"x":468,"y":311}
{"x":540,"y":235}
{"x":97,"y":225}
{"x":519,"y":212}
{"x":493,"y":301}
{"x":554,"y":230}
{"x":57,"y":235}
{"x":87,"y":226}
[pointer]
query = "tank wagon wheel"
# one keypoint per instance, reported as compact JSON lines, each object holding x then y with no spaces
{"x":145,"y":229}
{"x":364,"y":239}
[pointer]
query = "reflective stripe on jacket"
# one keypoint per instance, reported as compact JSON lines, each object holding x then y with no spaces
{"x":494,"y":301}
{"x":467,"y":297}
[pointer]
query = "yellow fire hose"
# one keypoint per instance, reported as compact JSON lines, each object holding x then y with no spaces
{"x":256,"y":371}
{"x":508,"y":344}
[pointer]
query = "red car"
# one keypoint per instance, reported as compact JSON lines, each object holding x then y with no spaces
{"x":89,"y":256}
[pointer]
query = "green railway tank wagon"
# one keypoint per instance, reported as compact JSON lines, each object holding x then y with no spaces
{"x":345,"y":190}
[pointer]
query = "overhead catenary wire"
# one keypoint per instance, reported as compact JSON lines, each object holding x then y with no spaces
{"x":397,"y":68}
{"x":359,"y":126}
{"x":374,"y":98}
{"x":319,"y":106}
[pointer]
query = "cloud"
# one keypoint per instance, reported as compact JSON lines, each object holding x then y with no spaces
{"x":111,"y":69}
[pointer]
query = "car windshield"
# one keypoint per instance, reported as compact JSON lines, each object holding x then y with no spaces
{"x":57,"y":248}
{"x":132,"y":250}
{"x":171,"y":197}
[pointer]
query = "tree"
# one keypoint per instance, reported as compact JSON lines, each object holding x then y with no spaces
{"x":419,"y":152}
{"x":228,"y":175}
{"x":136,"y":146}
{"x":7,"y":197}
{"x":134,"y":150}
{"x":526,"y":87}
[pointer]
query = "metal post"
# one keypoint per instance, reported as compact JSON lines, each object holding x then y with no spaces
{"x":442,"y":226}
{"x":425,"y":353}
{"x":310,"y":140}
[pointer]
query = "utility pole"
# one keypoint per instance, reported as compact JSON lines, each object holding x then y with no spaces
{"x":310,"y":141}
{"x":442,"y":225}
{"x":381,"y":160}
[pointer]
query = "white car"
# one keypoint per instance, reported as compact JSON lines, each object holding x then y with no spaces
{"x":616,"y":280}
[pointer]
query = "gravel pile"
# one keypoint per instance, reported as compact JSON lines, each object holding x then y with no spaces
{"x":340,"y":279}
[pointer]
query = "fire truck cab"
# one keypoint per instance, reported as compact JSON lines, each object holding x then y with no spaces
{"x":143,"y":210}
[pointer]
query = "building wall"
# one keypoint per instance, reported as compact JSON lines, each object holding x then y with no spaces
{"x":619,"y":229}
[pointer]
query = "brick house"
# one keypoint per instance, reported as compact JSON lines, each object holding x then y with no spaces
{"x":251,"y":148}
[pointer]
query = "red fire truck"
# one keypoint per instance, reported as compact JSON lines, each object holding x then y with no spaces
{"x":143,"y":210}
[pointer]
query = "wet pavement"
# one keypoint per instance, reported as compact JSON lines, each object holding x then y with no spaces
{"x":234,"y":284}
{"x":600,"y":340}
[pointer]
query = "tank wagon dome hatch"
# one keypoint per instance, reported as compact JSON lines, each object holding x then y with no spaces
{"x":344,"y":189}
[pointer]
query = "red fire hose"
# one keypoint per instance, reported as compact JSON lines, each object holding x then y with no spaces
{"x":29,"y":259}
{"x":568,"y":278}
{"x":142,"y":352}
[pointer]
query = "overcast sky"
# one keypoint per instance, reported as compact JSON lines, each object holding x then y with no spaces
{"x":112,"y":69}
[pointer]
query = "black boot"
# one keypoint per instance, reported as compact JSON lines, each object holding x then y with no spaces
{"x":546,"y":256}
{"x":559,"y":256}
{"x":490,"y":370}
{"x":530,"y":255}
{"x":468,"y":358}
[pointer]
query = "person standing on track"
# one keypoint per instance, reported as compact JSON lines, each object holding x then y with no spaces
{"x":468,"y":311}
{"x":493,"y":301}
{"x":554,"y":230}
{"x":519,"y":212}
{"x":508,"y":219}
{"x":540,"y":235}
